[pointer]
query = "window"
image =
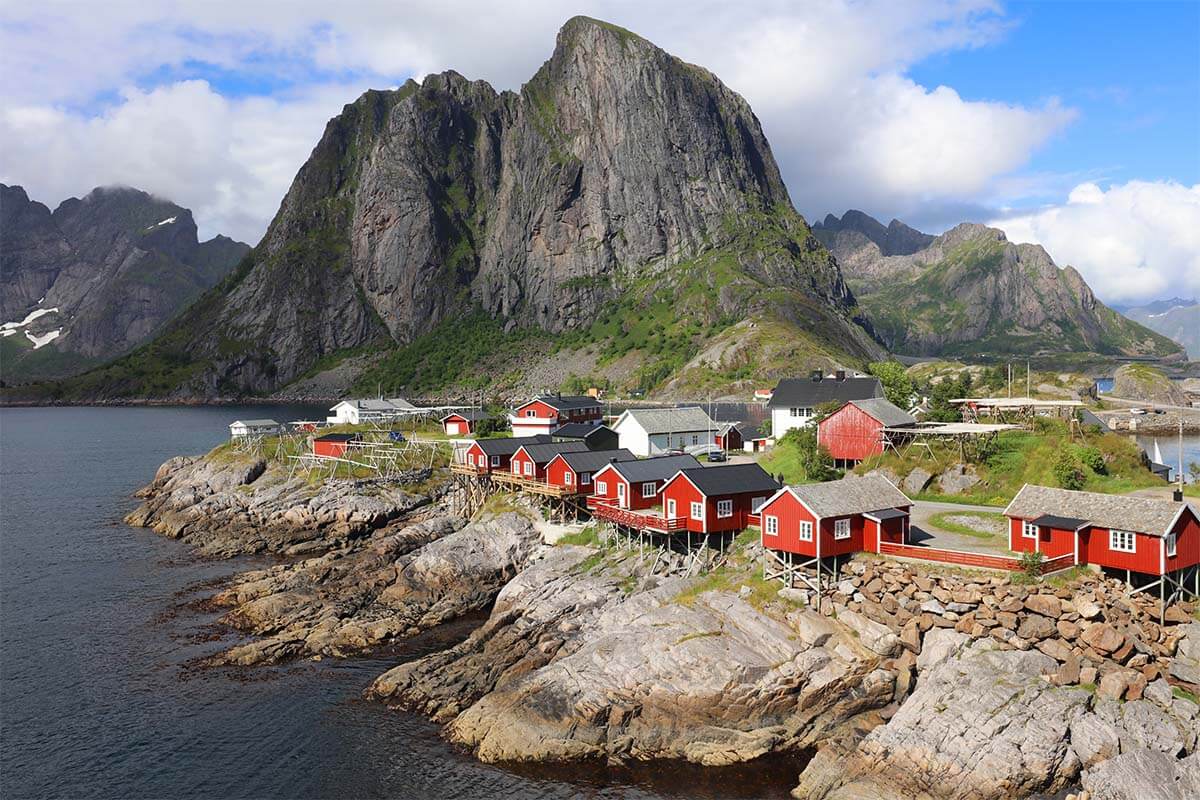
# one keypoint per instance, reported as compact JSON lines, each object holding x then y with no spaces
{"x":649,"y":489}
{"x":483,"y":461}
{"x":697,"y":510}
{"x":495,"y":461}
{"x":756,"y":504}
{"x":670,"y":509}
{"x":695,"y":438}
{"x":585,"y":478}
{"x":601,"y":488}
{"x":1121,"y":541}
{"x":841,"y":529}
{"x":531,"y":412}
{"x":516,"y":467}
{"x":724,"y":508}
{"x":528,"y":467}
{"x":1028,"y":529}
{"x":802,"y":412}
{"x":1172,"y":540}
{"x":805,"y":531}
{"x":771,"y":525}
{"x":567,"y":477}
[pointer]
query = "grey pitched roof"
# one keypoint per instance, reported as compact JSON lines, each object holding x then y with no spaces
{"x":654,"y":469}
{"x":506,"y":446}
{"x":591,"y":460}
{"x":731,"y":479}
{"x":255,"y":423}
{"x":673,"y":420}
{"x":469,"y":414}
{"x":850,"y":495}
{"x":401,"y":403}
{"x":891,"y":416}
{"x":1141,"y":514}
{"x":578,"y":430}
{"x":541,"y":453}
{"x":566,"y":401}
{"x":808,"y":393}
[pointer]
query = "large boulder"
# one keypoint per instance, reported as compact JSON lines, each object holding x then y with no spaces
{"x":916,"y":481}
{"x":1144,"y":775}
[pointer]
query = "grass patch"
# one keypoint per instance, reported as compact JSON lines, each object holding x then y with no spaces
{"x":1180,"y":692}
{"x":698,"y":635}
{"x":588,"y":537}
{"x":943,"y":522}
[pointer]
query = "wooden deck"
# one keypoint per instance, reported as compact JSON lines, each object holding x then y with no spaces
{"x":524,"y":484}
{"x":965,"y":558}
{"x":639,"y":520}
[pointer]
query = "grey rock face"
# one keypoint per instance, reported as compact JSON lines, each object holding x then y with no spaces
{"x":116,"y":264}
{"x":897,"y":239}
{"x":1144,"y":775}
{"x":614,"y":162}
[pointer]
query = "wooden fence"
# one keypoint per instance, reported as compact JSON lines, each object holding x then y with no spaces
{"x":966,"y":558}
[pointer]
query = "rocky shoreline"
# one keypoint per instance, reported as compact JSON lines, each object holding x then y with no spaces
{"x":911,"y":683}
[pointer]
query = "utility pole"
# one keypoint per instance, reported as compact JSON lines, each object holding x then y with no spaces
{"x":1028,"y":380}
{"x":1010,"y":380}
{"x":1181,"y":452}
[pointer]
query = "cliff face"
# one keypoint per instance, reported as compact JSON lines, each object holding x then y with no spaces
{"x":855,"y":229}
{"x":99,"y":275}
{"x":972,"y":292}
{"x":615,"y":162}
{"x":1177,"y":319}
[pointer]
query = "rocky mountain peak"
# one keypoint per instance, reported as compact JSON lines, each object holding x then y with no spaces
{"x":856,"y":228}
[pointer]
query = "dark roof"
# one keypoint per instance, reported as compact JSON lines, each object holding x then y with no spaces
{"x":578,"y":430}
{"x":506,"y":446}
{"x":654,"y":469}
{"x":592,"y":460}
{"x":469,"y":414}
{"x":1061,"y":523}
{"x":541,"y":453}
{"x":338,"y":437}
{"x":564,"y":402}
{"x":886,"y":513}
{"x":808,"y":393}
{"x":731,"y":479}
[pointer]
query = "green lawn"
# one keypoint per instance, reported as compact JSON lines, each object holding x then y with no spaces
{"x":943,"y":522}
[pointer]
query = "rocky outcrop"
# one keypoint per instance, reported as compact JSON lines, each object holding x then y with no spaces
{"x":616,"y":166}
{"x":970,"y":292}
{"x":105,"y":272}
{"x":1144,"y":775}
{"x":230,"y":503}
{"x":858,"y":230}
{"x":1148,"y":385}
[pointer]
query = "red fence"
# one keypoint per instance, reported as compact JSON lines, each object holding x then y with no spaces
{"x":635,"y":519}
{"x":966,"y":558}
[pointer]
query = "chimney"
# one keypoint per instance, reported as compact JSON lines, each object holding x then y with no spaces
{"x":1177,"y":495}
{"x":816,"y":375}
{"x":841,"y":374}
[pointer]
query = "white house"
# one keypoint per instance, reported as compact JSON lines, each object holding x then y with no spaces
{"x":253,"y":427}
{"x":794,"y":401}
{"x":654,"y":431}
{"x":356,"y":412}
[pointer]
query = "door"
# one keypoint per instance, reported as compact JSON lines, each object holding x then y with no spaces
{"x":671,"y":508}
{"x":621,"y":496}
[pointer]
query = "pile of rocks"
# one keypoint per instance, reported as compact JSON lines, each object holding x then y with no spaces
{"x":1098,"y":634}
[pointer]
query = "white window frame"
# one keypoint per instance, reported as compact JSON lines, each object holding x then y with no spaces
{"x":567,"y":479}
{"x":771,"y":525}
{"x":622,"y":495}
{"x":724,"y":509}
{"x":482,"y":461}
{"x":601,"y":487}
{"x":1122,"y":541}
{"x":1172,"y":544}
{"x":585,"y":478}
{"x":841,"y":529}
{"x":531,"y":412}
{"x":671,"y":508}
{"x":495,"y":461}
{"x":697,"y":511}
{"x":515,"y":467}
{"x":756,"y":504}
{"x":528,"y":469}
{"x":1029,"y":530}
{"x":695,"y":439}
{"x":649,"y":489}
{"x":806,"y":531}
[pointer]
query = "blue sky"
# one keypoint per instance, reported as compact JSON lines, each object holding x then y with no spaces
{"x":1074,"y":125}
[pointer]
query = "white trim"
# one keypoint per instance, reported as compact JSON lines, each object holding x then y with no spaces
{"x":530,"y":468}
{"x":495,"y":461}
{"x":568,"y":480}
{"x":692,"y":510}
{"x":599,"y":487}
{"x":839,"y":524}
{"x":769,"y":521}
{"x":1015,"y":498}
{"x":652,"y":486}
{"x":585,"y":479}
{"x":1027,"y":526}
{"x":1162,"y":555}
{"x":727,"y":502}
{"x":756,"y":504}
{"x":1173,"y":548}
{"x":800,"y":532}
{"x":671,"y":508}
{"x":1112,"y":539}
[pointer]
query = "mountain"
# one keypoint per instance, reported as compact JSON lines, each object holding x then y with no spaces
{"x":623,"y":203}
{"x":855,"y":228}
{"x":97,"y":276}
{"x":1177,"y":319}
{"x":971,"y":292}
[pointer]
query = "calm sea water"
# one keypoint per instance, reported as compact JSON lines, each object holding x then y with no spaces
{"x":99,"y":623}
{"x":1170,"y":448}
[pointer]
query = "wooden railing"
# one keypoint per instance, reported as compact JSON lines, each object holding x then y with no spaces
{"x":468,"y":469}
{"x":967,"y":558}
{"x":530,"y":485}
{"x":635,"y":519}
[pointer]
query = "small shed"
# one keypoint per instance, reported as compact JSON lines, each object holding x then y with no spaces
{"x":334,"y":445}
{"x":732,"y":435}
{"x":463,"y":423}
{"x":854,"y":432}
{"x":242,"y":428}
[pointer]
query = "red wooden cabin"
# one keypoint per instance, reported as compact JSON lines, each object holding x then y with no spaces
{"x":1139,"y":534}
{"x":835,"y":518}
{"x":530,"y":460}
{"x":334,"y":445}
{"x":492,"y":455}
{"x":636,"y":484}
{"x":854,"y":432}
{"x":717,"y":499}
{"x":463,"y":423}
{"x":546,"y":413}
{"x":574,"y":470}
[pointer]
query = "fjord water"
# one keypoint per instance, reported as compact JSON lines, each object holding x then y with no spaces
{"x":100,"y":625}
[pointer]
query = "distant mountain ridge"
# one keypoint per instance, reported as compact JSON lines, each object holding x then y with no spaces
{"x":1176,"y":318}
{"x":971,"y":292}
{"x":623,"y":201}
{"x":97,"y":276}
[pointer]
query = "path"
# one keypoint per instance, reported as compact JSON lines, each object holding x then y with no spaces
{"x":923,"y":532}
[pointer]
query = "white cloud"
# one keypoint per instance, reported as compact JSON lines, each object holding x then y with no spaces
{"x":827,"y":80}
{"x":1132,"y":242}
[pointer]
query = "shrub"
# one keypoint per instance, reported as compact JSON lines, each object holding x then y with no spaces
{"x":1093,"y":459}
{"x":1068,"y":471}
{"x":1031,"y":565}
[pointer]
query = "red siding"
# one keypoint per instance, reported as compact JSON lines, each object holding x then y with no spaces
{"x":1147,"y":558}
{"x":518,"y":464}
{"x":850,"y":434}
{"x":457,"y":426}
{"x":610,"y":478}
{"x":475,"y":452}
{"x":731,"y":440}
{"x":1050,"y":542}
{"x":543,"y":409}
{"x":329,"y":449}
{"x":789,"y":511}
{"x":1187,"y":548}
{"x":556,"y":475}
{"x":681,"y":490}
